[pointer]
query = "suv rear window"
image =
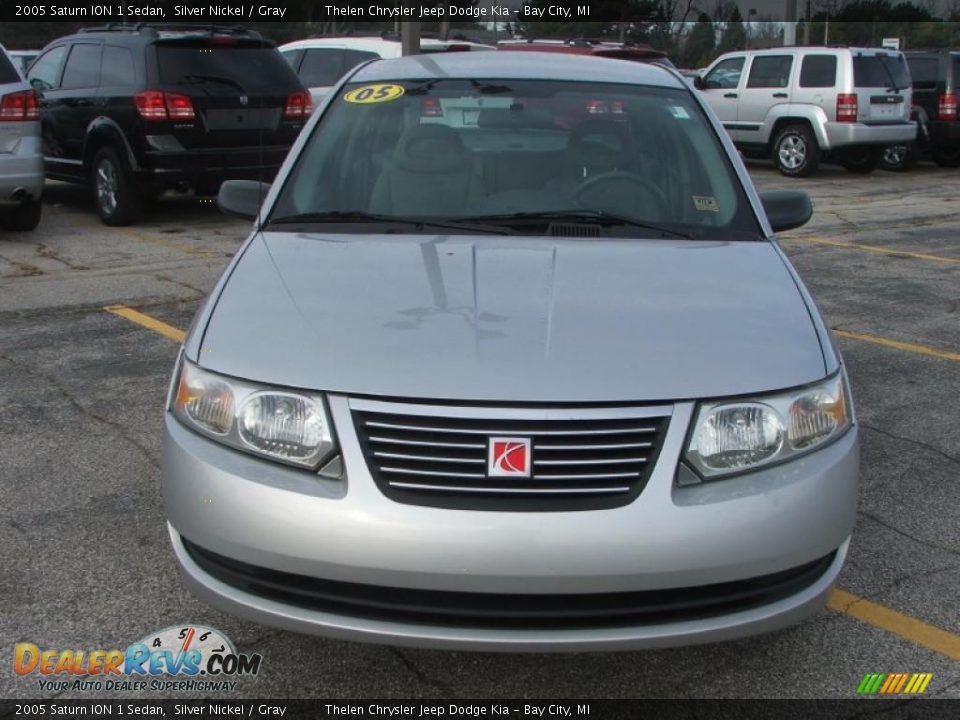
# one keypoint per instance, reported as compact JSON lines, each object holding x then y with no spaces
{"x":880,"y":70}
{"x":8,"y":73}
{"x":252,"y":68}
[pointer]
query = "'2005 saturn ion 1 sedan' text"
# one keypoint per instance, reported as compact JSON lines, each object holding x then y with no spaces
{"x":512,"y":361}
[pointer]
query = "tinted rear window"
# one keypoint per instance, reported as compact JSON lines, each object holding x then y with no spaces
{"x":8,"y":73}
{"x":924,"y":71}
{"x":325,"y":66}
{"x":818,"y":71}
{"x":254,"y":69}
{"x":881,"y":70}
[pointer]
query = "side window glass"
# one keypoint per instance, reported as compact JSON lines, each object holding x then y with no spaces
{"x":321,"y":67}
{"x":292,"y":57}
{"x":83,"y":67}
{"x":725,"y":75}
{"x":770,"y":71}
{"x":117,"y":67}
{"x":818,"y":71}
{"x":45,"y":72}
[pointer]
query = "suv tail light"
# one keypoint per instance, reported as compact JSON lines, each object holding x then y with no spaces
{"x":158,"y":105}
{"x":847,"y":107}
{"x":298,"y":105}
{"x":948,"y":107}
{"x":19,"y":106}
{"x":430,"y":107}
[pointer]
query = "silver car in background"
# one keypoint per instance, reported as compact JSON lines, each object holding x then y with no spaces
{"x":533,"y":375}
{"x":21,"y":157}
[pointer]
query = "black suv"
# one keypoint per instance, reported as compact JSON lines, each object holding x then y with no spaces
{"x":936,"y":84}
{"x":136,"y":110}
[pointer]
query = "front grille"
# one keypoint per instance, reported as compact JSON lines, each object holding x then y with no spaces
{"x":496,"y":610}
{"x":582,"y":458}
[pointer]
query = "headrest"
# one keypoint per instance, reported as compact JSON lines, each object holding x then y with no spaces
{"x":430,"y":148}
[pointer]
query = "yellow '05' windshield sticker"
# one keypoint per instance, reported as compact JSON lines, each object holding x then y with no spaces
{"x":374,"y":94}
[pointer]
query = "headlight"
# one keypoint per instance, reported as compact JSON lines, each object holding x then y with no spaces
{"x":731,"y":437}
{"x":288,"y":426}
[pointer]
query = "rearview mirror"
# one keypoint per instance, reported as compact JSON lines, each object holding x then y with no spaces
{"x":786,"y":209}
{"x":242,"y":198}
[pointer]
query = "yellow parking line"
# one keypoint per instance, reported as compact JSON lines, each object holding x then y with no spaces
{"x":890,"y":252}
{"x":146,"y":321}
{"x":909,"y":628}
{"x":899,"y":345}
{"x":840,"y":601}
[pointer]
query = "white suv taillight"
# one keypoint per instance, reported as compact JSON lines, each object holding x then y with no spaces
{"x":298,"y":105}
{"x":157,"y":105}
{"x":19,"y":106}
{"x":847,"y":107}
{"x":948,"y":107}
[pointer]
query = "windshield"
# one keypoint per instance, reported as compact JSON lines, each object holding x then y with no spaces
{"x":624,"y":159}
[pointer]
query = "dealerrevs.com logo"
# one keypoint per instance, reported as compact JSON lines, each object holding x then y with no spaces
{"x":188,"y":658}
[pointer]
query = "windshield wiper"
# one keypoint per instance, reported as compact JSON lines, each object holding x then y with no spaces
{"x":341,"y":216}
{"x":574,"y":216}
{"x":193,"y":79}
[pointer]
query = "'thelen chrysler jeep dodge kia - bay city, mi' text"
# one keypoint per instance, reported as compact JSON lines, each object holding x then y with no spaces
{"x":495,"y":370}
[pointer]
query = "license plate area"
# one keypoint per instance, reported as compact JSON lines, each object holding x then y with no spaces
{"x":242,"y":119}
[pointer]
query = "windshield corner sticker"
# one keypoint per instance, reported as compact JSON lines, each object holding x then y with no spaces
{"x":369,"y":94}
{"x":705,"y":203}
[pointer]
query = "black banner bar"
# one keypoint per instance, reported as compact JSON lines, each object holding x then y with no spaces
{"x":888,"y":708}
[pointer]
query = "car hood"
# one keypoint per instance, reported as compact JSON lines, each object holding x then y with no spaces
{"x":513,"y":319}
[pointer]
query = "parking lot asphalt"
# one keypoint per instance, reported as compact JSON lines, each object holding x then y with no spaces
{"x":86,"y":561}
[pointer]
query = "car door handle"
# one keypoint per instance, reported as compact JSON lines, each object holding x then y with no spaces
{"x":780,"y":95}
{"x":730,"y":95}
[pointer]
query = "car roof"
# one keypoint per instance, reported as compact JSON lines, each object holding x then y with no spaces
{"x":371,"y":43}
{"x":505,"y":66}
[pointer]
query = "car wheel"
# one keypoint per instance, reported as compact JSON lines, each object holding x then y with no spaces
{"x":795,"y":151}
{"x":947,"y":157}
{"x":861,"y":160}
{"x":22,"y":218}
{"x":899,"y":158}
{"x":114,"y":191}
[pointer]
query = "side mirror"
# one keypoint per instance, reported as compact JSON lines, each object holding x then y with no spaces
{"x":786,"y":209}
{"x":242,"y":198}
{"x":698,"y":82}
{"x":38,"y":85}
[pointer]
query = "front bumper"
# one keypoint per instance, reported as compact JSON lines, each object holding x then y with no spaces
{"x":285,"y":520}
{"x":844,"y":134}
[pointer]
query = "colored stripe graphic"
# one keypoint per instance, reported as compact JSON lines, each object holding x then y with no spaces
{"x":894,"y":683}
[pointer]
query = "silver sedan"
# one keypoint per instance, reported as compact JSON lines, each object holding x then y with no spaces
{"x":511,"y":360}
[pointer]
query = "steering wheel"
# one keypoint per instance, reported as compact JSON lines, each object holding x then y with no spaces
{"x":608,"y":180}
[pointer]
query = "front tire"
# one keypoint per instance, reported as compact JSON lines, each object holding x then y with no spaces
{"x":114,"y":190}
{"x":861,"y":161}
{"x":795,"y":151}
{"x":899,"y":158}
{"x":22,"y":218}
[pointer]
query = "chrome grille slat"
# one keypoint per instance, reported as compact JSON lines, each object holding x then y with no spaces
{"x":616,"y":446}
{"x":517,"y":491}
{"x":508,"y":431}
{"x":431,"y":473}
{"x":605,"y":461}
{"x":396,"y":441}
{"x":580,"y":458}
{"x":401,"y":456}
